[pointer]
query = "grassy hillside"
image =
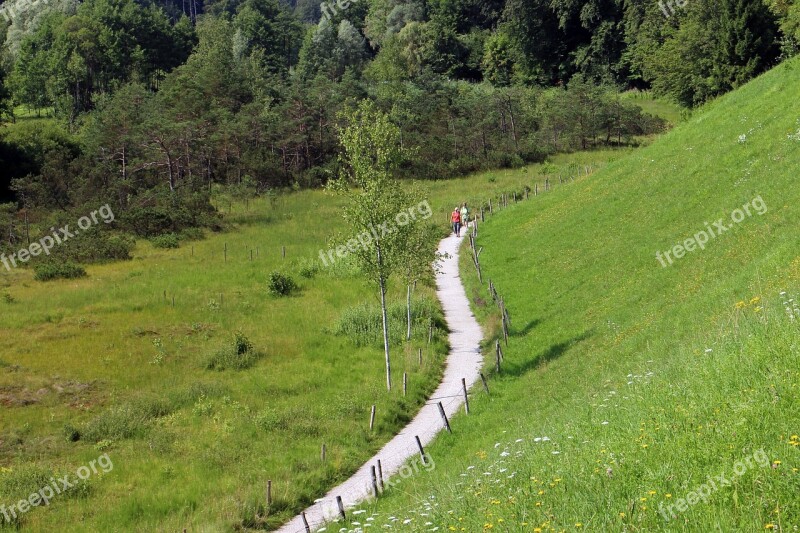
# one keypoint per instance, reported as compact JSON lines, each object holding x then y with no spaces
{"x":636,"y":396}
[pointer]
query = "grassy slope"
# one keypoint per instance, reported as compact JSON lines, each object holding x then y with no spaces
{"x":646,"y":380}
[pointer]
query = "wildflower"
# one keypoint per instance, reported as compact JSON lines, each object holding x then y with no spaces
{"x":769,"y":526}
{"x":652,"y":493}
{"x":578,"y":525}
{"x":622,"y":515}
{"x":668,"y":495}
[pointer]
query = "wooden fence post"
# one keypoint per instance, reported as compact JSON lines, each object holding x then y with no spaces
{"x":444,"y":417}
{"x":421,"y":450}
{"x":372,"y":418}
{"x":466,"y":396}
{"x":341,"y":507}
{"x":485,"y":383}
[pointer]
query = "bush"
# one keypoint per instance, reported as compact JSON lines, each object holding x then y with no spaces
{"x":192,"y":234}
{"x":281,"y":284}
{"x":166,"y":241}
{"x":92,"y":246}
{"x":51,"y":270}
{"x":307,"y":268}
{"x":238,"y":356}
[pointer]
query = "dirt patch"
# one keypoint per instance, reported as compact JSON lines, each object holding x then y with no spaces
{"x":73,"y":393}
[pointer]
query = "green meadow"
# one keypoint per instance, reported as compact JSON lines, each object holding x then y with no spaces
{"x":635,"y":396}
{"x":124,"y":362}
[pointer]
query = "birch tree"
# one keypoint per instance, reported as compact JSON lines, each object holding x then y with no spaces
{"x":370,"y":156}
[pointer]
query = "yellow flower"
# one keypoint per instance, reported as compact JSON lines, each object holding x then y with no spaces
{"x":668,"y":495}
{"x":622,"y":515}
{"x":740,"y":305}
{"x":769,"y":526}
{"x":652,"y":493}
{"x":755,"y":300}
{"x":578,"y":524}
{"x":487,"y":525}
{"x":537,"y":530}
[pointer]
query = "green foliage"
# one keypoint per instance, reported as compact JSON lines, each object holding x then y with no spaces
{"x":239,"y":356}
{"x":125,"y":421}
{"x":51,"y":270}
{"x":281,"y":284}
{"x":362,"y":324}
{"x":166,"y":241}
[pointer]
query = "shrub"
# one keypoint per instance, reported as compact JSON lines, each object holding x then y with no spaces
{"x":192,"y":234}
{"x":166,"y":241}
{"x":51,"y":270}
{"x":308,"y":268}
{"x":71,"y":433}
{"x":92,"y":246}
{"x":281,"y":284}
{"x":240,"y":355}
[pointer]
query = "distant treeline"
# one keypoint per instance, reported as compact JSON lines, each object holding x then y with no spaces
{"x":160,"y":101}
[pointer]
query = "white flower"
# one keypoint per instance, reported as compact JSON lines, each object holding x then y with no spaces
{"x":604,"y":422}
{"x":742,"y":138}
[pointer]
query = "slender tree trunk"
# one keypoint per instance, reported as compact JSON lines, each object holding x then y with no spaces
{"x":385,"y":316}
{"x":386,"y":334}
{"x":408,"y":312}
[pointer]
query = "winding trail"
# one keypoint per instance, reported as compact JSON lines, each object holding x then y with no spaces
{"x":463,"y":362}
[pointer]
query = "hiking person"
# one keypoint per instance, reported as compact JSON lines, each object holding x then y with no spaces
{"x":464,"y":215}
{"x":455,"y":218}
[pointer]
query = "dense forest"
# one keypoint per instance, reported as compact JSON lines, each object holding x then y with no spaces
{"x":153,"y":103}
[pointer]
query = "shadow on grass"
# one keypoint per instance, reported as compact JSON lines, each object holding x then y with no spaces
{"x":552,"y":353}
{"x":527,"y":329}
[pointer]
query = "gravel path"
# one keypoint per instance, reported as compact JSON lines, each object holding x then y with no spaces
{"x":464,"y":361}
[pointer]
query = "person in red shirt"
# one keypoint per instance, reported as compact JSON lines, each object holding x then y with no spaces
{"x":455,"y":218}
